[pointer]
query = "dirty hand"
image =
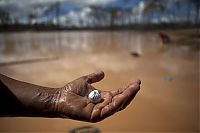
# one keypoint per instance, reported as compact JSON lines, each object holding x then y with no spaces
{"x":72,"y":100}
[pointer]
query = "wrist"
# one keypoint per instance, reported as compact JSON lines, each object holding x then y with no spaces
{"x":45,"y":104}
{"x":19,"y":98}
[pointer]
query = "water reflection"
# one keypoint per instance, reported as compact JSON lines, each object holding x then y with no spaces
{"x":170,"y":81}
{"x":44,"y":44}
{"x":113,"y":42}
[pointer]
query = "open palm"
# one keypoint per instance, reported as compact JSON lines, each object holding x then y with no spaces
{"x":73,"y":102}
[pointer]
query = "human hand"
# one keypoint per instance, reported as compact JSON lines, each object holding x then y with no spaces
{"x":72,"y":100}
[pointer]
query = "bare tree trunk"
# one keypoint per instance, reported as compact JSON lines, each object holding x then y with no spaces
{"x":188,"y":12}
{"x":197,"y":10}
{"x":57,"y":11}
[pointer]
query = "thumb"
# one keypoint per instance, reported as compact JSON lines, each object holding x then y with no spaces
{"x":95,"y":77}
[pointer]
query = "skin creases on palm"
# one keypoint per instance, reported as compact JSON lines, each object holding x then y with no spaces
{"x":73,"y":99}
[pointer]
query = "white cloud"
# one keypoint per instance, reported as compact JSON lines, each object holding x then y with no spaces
{"x":91,"y":2}
{"x":26,"y":6}
{"x":30,"y":2}
{"x":139,"y":8}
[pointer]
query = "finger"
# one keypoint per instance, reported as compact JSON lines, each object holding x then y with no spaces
{"x":130,"y":93}
{"x":122,"y":89}
{"x":107,"y":108}
{"x":121,"y":100}
{"x":112,"y":107}
{"x":95,"y":77}
{"x":96,"y":112}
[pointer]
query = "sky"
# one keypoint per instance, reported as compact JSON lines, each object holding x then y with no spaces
{"x":79,"y":9}
{"x":23,"y":7}
{"x":25,"y":3}
{"x":16,"y":7}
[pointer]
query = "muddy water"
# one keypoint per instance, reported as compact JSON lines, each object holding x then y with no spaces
{"x":167,"y":101}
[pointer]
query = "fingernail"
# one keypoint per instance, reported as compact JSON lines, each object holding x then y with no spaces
{"x":138,"y":81}
{"x":100,"y":73}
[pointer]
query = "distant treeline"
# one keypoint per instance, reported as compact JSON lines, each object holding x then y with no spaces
{"x":45,"y":27}
{"x":148,"y":14}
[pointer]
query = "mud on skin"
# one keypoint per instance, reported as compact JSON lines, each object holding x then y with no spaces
{"x":70,"y":101}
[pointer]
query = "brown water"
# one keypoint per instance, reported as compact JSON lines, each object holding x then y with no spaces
{"x":167,"y":101}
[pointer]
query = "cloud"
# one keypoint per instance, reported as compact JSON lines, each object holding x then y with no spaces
{"x":32,"y":2}
{"x":26,"y":6}
{"x":91,"y":2}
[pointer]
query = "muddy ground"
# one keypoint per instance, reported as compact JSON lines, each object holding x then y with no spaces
{"x":169,"y":96}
